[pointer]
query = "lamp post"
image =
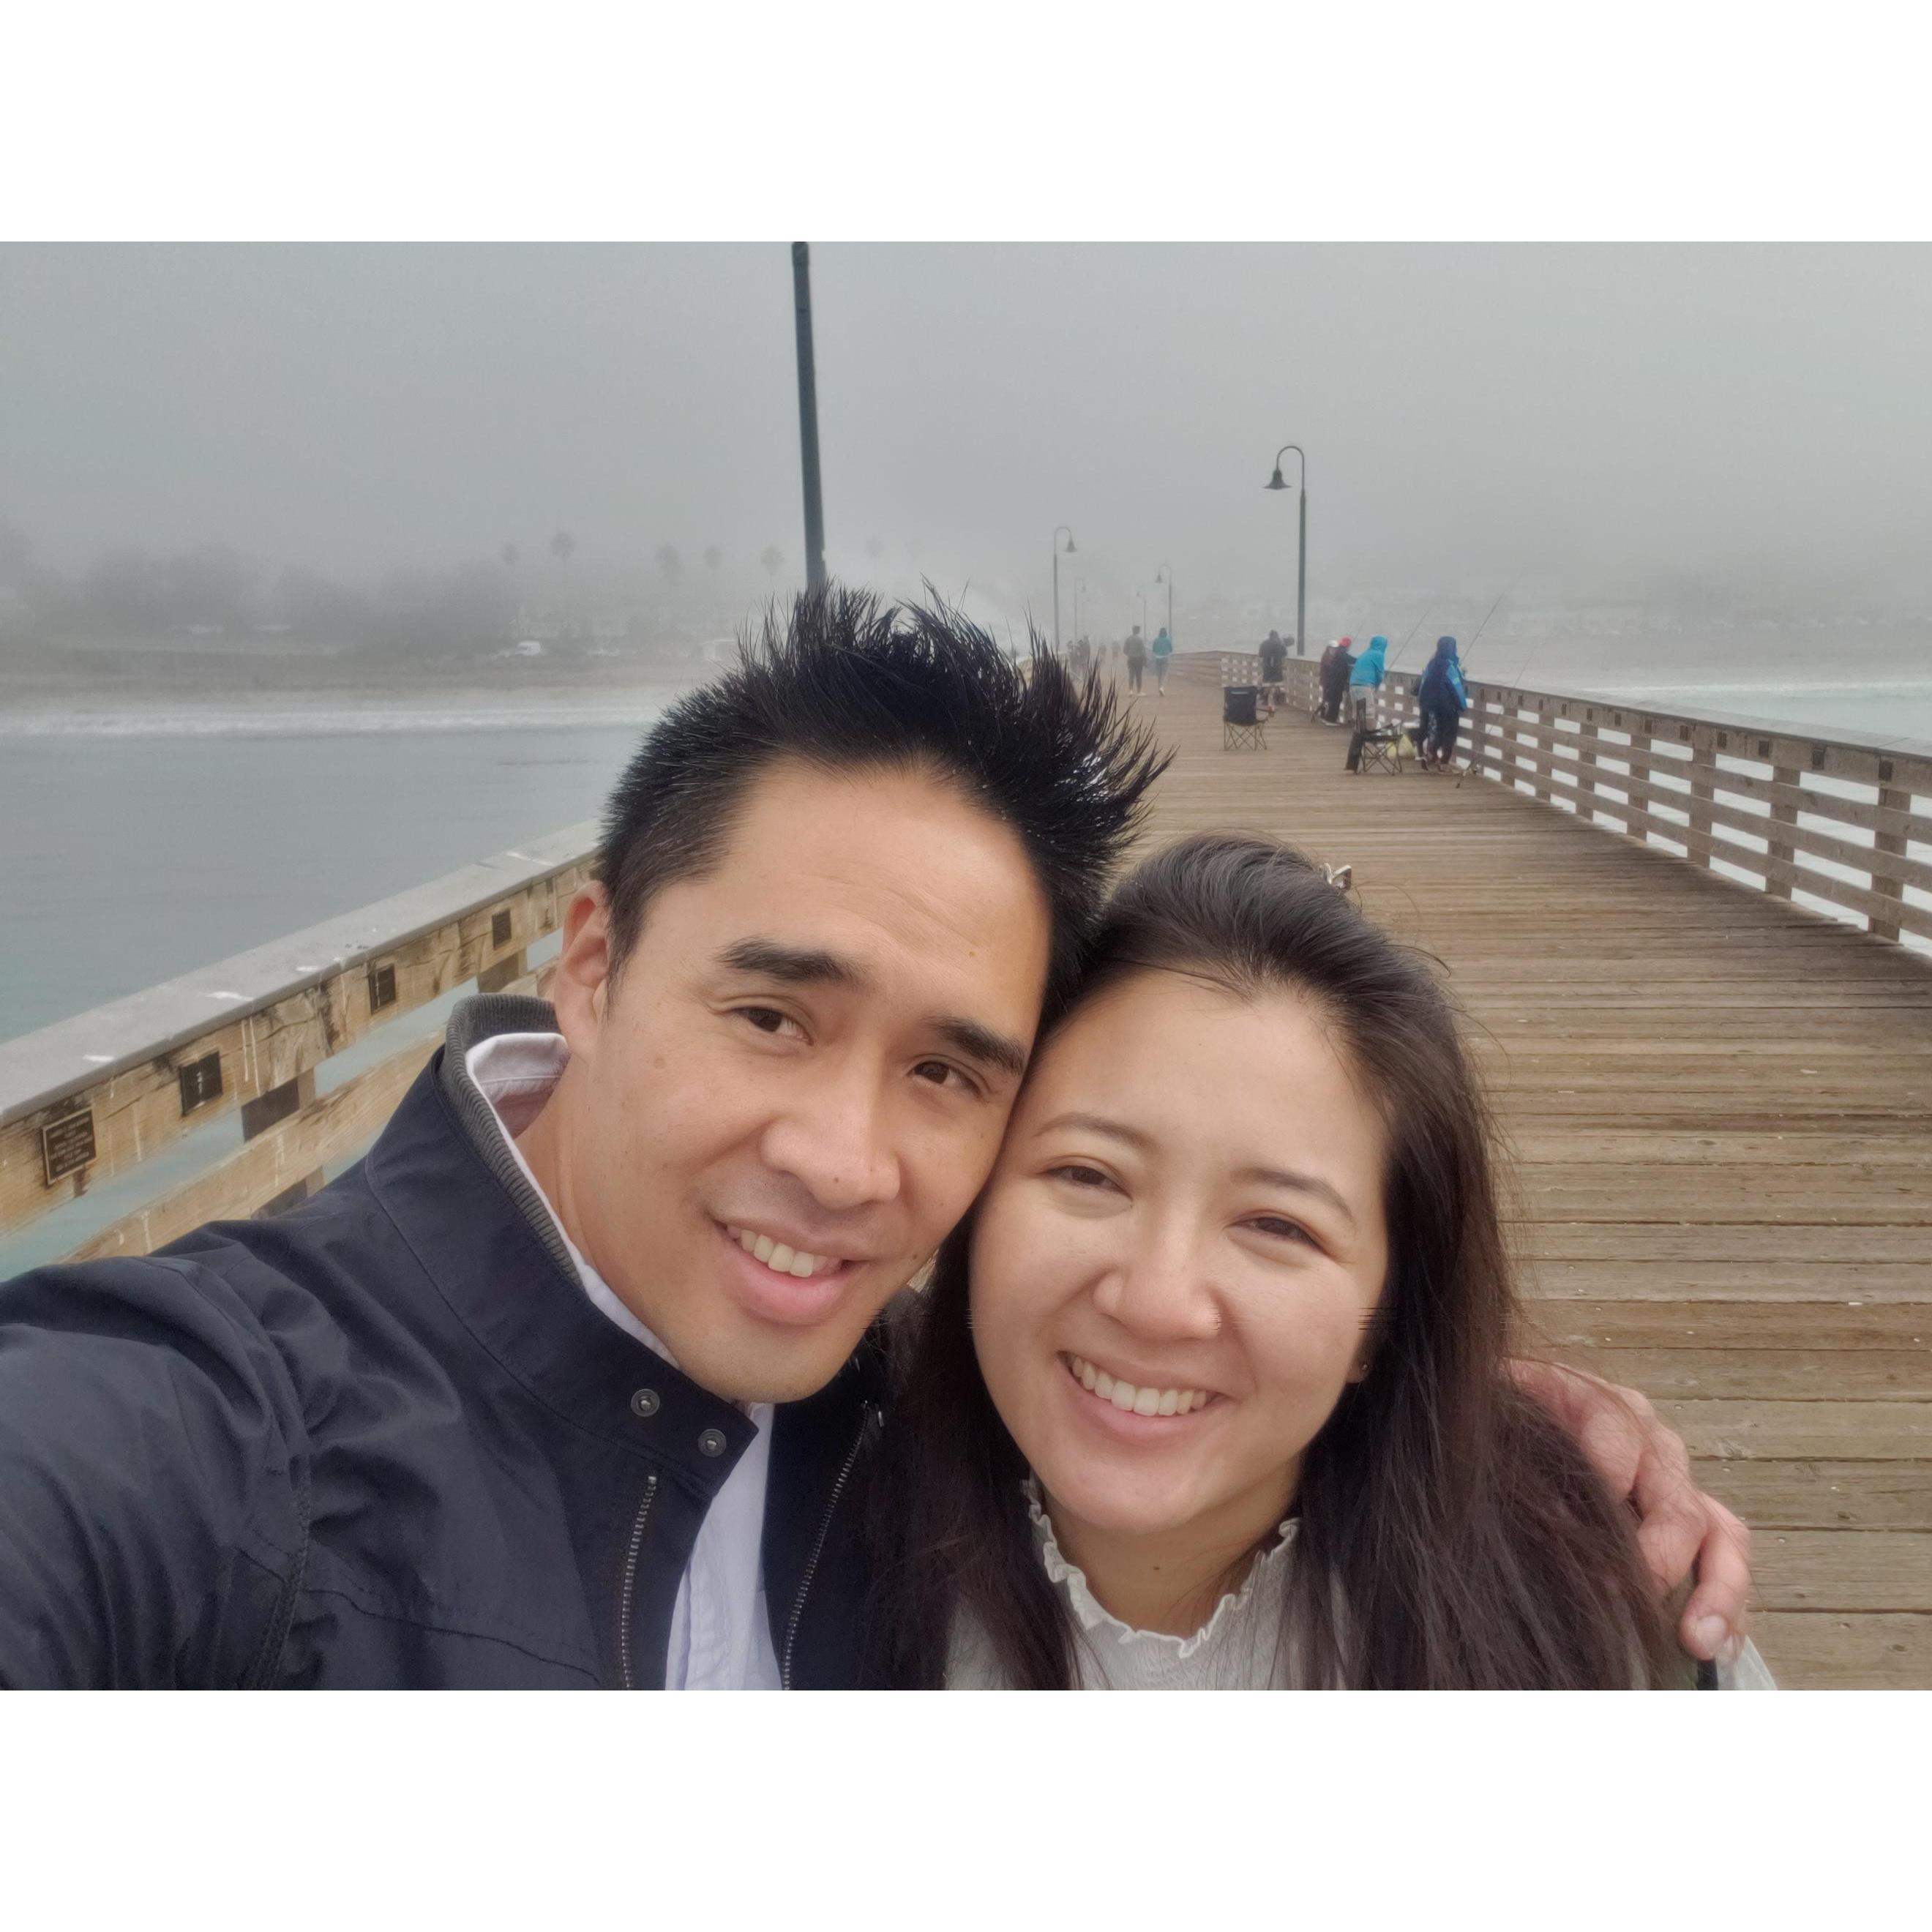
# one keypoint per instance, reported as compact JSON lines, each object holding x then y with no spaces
{"x":807,"y":418}
{"x":1275,"y":482}
{"x":1079,"y":585}
{"x":1165,"y":574}
{"x":1142,"y":595}
{"x":1057,"y":529}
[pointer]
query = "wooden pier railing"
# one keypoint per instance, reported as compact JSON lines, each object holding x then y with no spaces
{"x":1837,"y":826}
{"x":91,"y":1099}
{"x":1827,"y":821}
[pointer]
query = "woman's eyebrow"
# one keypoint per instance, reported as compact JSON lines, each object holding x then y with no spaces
{"x":1097,"y":1123}
{"x":1299,"y":1183}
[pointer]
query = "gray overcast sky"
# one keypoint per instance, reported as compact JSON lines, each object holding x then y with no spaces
{"x":1586,"y":412}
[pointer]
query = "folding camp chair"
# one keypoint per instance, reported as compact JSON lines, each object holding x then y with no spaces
{"x":1376,"y":750}
{"x":1241,"y":725}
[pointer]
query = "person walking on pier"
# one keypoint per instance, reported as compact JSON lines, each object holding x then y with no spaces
{"x":1365,"y":680}
{"x":574,"y":1380}
{"x":1135,"y":652}
{"x":1274,"y":670}
{"x":1163,"y":654}
{"x":1442,"y":698}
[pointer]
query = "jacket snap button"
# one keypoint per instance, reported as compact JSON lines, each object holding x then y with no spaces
{"x":712,"y":1442}
{"x":644,"y":1404}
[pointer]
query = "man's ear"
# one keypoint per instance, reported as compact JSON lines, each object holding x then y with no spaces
{"x":579,"y":986}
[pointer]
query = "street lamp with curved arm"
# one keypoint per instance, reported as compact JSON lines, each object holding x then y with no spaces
{"x":1165,"y":574}
{"x":1079,"y":585}
{"x":1057,"y":529}
{"x":1275,"y":482}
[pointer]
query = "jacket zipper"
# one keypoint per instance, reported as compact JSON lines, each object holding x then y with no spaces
{"x":818,"y":1548}
{"x":629,"y":1592}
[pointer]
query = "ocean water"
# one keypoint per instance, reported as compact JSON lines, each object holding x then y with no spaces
{"x":133,"y":847}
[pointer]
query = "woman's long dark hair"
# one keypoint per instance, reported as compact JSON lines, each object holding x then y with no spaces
{"x":1451,"y":1535}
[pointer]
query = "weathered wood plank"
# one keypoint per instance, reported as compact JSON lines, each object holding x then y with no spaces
{"x":1771,"y":1495}
{"x":1851,"y":1432}
{"x":1842,"y":1570}
{"x":1815,"y":1650}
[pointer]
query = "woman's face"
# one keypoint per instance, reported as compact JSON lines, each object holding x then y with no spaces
{"x":1177,"y":1257}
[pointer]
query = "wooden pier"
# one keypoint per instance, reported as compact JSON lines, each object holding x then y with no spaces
{"x":1718,"y":1093}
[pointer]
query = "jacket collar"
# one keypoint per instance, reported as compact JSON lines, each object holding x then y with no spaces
{"x":490,"y":1247}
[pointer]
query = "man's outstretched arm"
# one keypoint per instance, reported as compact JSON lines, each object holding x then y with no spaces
{"x":1679,"y":1528}
{"x":148,"y":1520}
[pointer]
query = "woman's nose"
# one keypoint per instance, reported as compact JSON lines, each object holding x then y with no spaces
{"x":1163,"y":1290}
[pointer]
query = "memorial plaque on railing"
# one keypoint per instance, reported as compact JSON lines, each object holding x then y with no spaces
{"x":67,"y":1145}
{"x":200,"y":1082}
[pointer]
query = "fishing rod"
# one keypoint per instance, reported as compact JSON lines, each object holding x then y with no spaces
{"x":1485,"y":624}
{"x":1410,"y":638}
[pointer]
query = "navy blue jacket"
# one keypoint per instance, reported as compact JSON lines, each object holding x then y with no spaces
{"x":384,"y":1440}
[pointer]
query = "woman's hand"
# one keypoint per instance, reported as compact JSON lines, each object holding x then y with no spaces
{"x":1678,"y":1527}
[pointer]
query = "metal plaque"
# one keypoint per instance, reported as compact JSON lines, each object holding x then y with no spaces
{"x":381,"y":987}
{"x":67,"y":1145}
{"x":499,"y":928}
{"x":201,"y":1081}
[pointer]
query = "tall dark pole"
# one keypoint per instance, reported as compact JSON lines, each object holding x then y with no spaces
{"x":1275,"y":482}
{"x":1165,"y":574}
{"x":807,"y":418}
{"x":1057,"y":529}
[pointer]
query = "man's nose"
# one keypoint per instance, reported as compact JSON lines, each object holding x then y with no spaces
{"x":837,"y":1142}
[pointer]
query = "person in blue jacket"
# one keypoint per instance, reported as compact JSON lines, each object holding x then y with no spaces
{"x":1163,"y":655}
{"x":1366,"y":679}
{"x":1443,"y":697}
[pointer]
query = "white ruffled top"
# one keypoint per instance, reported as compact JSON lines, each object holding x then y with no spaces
{"x":1239,"y":1648}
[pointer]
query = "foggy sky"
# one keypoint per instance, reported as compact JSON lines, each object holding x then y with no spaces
{"x":1586,"y":415}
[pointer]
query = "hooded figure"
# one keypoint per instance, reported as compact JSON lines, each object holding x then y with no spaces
{"x":1443,"y":697}
{"x":1368,"y":671}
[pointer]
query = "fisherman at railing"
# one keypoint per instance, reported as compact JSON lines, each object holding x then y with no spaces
{"x":569,"y":1381}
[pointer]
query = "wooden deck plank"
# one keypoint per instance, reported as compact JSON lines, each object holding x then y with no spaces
{"x":1720,"y":1108}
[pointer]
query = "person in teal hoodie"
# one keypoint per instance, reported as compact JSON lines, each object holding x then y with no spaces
{"x":1366,"y":679}
{"x":1163,"y":652}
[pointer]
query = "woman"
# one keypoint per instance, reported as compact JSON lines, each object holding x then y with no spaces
{"x":1442,"y":698}
{"x":1163,"y":653}
{"x":1366,"y":679}
{"x":1210,"y":1391}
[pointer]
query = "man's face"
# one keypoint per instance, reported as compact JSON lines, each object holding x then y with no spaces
{"x":800,"y":1079}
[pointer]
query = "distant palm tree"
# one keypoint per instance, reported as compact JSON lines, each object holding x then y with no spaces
{"x":671,"y":564}
{"x":713,"y":557}
{"x":563,"y":547}
{"x":510,"y":554}
{"x":771,"y":556}
{"x":875,"y":547}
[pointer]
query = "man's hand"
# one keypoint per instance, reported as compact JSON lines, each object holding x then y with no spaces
{"x":1678,"y":1527}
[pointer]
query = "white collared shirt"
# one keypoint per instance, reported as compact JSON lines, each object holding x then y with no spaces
{"x":720,"y":1638}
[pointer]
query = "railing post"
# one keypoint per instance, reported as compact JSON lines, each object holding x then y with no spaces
{"x":270,"y":1109}
{"x":1703,"y":789}
{"x":1889,"y":800}
{"x":1586,"y":771}
{"x":1785,"y":815}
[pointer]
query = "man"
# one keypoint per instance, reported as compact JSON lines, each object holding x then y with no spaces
{"x":564,"y":1384}
{"x":1135,"y":652}
{"x":1274,"y":670}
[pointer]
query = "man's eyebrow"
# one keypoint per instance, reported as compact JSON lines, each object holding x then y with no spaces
{"x":813,"y":966}
{"x":795,"y":965}
{"x":981,"y":1043}
{"x":1300,"y":1183}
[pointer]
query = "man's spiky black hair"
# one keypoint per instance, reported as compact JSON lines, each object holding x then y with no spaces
{"x":847,"y":683}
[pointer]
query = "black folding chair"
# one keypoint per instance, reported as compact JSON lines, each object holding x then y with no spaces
{"x":1242,"y":726}
{"x":1375,"y":751}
